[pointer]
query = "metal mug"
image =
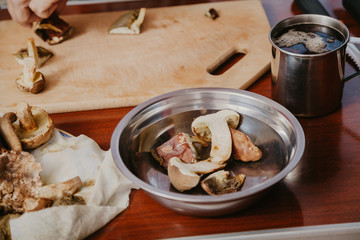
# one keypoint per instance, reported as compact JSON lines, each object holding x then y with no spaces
{"x":308,"y":85}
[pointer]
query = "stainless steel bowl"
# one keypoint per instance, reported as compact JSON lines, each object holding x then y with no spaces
{"x":269,"y":125}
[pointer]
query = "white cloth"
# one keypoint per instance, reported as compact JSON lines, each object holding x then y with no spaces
{"x":106,"y":191}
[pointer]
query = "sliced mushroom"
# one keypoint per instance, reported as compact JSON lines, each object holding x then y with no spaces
{"x":59,"y":190}
{"x":182,"y":146}
{"x":215,"y":128}
{"x":243,"y":148}
{"x":8,"y":132}
{"x":41,"y":53}
{"x":53,"y":30}
{"x":222,"y":182}
{"x":185,"y":176}
{"x":35,"y":128}
{"x":30,"y":80}
{"x":128,"y":23}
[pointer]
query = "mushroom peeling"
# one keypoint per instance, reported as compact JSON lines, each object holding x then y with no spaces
{"x":128,"y":23}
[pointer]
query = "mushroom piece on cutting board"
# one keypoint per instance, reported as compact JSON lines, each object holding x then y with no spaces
{"x":31,"y":80}
{"x":54,"y":29}
{"x":128,"y":23}
{"x":41,"y":53}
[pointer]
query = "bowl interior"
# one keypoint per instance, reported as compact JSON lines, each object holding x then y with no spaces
{"x":272,"y":128}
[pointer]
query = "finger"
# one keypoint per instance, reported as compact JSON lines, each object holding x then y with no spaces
{"x":21,"y":13}
{"x":43,"y":9}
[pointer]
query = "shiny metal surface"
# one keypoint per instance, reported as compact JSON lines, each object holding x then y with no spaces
{"x":270,"y":126}
{"x":308,"y":84}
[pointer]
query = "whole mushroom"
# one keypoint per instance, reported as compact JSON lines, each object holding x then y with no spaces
{"x":35,"y":128}
{"x":31,"y":80}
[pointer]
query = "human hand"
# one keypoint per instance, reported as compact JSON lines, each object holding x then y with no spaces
{"x":25,"y":12}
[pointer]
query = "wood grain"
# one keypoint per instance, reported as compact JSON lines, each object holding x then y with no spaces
{"x":178,"y":48}
{"x":323,"y":189}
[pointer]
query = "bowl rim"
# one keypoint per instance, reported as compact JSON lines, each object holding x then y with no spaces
{"x":299,"y":136}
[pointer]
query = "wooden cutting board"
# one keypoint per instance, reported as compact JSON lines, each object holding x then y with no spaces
{"x":177,"y":48}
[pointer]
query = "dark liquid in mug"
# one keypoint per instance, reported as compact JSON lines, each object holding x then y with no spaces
{"x":309,"y":39}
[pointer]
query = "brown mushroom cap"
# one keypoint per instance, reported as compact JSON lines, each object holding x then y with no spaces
{"x":32,"y":138}
{"x":215,"y":128}
{"x":221,"y":182}
{"x":36,"y":86}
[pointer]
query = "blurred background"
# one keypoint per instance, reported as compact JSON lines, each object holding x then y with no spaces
{"x":75,"y":2}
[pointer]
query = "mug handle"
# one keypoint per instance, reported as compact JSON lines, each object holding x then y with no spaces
{"x":351,"y":48}
{"x":351,"y":77}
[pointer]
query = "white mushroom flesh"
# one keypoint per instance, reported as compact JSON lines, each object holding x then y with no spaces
{"x":215,"y":127}
{"x":29,"y":73}
{"x":184,"y":176}
{"x":32,"y":51}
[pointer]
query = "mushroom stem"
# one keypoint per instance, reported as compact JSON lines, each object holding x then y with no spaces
{"x":26,"y":118}
{"x":29,"y":70}
{"x":59,"y":190}
{"x":32,"y":51}
{"x":8,"y":131}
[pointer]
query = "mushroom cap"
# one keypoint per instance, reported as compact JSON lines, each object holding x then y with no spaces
{"x":43,"y":54}
{"x":36,"y":86}
{"x":181,"y":179}
{"x":215,"y":128}
{"x":184,"y":176}
{"x":221,"y":182}
{"x":45,"y":128}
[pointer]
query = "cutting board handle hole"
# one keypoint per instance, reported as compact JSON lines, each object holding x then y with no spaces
{"x":226,"y":63}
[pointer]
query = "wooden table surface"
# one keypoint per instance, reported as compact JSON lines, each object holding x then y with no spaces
{"x":323,"y":188}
